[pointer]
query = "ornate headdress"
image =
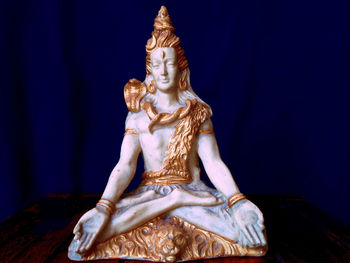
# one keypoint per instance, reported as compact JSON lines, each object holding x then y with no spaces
{"x":163,"y":35}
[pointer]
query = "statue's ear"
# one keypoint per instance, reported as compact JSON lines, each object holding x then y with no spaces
{"x":183,"y":74}
{"x":183,"y":81}
{"x":148,"y":79}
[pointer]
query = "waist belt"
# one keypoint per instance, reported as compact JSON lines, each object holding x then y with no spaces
{"x":166,"y":177}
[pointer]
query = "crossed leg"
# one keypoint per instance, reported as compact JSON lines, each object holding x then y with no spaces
{"x":137,"y":199}
{"x":143,"y":212}
{"x":89,"y":231}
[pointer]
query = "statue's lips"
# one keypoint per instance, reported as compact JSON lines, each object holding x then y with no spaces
{"x":164,"y":80}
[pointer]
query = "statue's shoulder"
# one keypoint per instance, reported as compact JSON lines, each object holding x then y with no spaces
{"x":134,"y":91}
{"x":202,"y":112}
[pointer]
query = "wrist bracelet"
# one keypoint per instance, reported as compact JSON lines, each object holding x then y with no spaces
{"x":234,"y":199}
{"x":109,"y":205}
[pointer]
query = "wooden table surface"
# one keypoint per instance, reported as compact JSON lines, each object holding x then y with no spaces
{"x":297,"y":232}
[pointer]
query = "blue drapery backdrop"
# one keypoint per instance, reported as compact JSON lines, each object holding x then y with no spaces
{"x":276,"y":74}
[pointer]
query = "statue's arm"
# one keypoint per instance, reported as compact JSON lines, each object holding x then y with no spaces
{"x":124,"y":170}
{"x":248,"y":217}
{"x":94,"y":221}
{"x":215,"y":168}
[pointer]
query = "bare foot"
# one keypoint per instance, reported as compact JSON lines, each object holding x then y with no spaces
{"x":182,"y":198}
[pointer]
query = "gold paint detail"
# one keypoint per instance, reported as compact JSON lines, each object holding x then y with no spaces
{"x":151,"y":88}
{"x":130,"y":131}
{"x":183,"y":81}
{"x":134,"y":91}
{"x":175,"y":169}
{"x":107,"y":204}
{"x":162,"y":21}
{"x":180,"y":143}
{"x":165,"y":118}
{"x":166,"y":177}
{"x":163,"y":54}
{"x":168,"y":240}
{"x":234,"y":199}
{"x":206,"y":131}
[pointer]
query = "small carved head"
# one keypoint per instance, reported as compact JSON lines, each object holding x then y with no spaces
{"x":170,"y":242}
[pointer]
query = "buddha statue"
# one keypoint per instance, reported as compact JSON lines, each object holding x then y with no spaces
{"x":172,"y":215}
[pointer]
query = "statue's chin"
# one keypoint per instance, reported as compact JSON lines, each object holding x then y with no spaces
{"x":166,"y":88}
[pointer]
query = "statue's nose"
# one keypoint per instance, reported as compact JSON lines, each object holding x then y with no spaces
{"x":163,"y":70}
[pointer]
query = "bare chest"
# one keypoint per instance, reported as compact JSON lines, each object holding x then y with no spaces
{"x":155,"y":142}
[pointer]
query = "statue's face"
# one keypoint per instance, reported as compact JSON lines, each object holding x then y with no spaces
{"x":164,"y":69}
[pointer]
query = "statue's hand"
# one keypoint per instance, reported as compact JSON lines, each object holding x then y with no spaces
{"x":250,"y":222}
{"x":88,"y":227}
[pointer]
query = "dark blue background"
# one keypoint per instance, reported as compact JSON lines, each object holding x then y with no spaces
{"x":276,"y":74}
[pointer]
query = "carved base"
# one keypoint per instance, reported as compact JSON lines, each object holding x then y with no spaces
{"x":169,"y":240}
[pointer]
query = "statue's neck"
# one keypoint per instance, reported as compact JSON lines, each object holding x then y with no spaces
{"x":167,"y":101}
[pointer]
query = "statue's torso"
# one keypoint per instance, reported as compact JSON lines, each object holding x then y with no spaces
{"x":154,"y":145}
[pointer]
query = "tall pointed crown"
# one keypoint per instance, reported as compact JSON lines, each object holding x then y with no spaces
{"x":163,"y":21}
{"x":163,"y":36}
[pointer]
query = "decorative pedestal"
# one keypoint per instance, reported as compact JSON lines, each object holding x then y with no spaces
{"x":168,"y":240}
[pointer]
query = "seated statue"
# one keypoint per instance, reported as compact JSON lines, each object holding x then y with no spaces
{"x":172,"y":215}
